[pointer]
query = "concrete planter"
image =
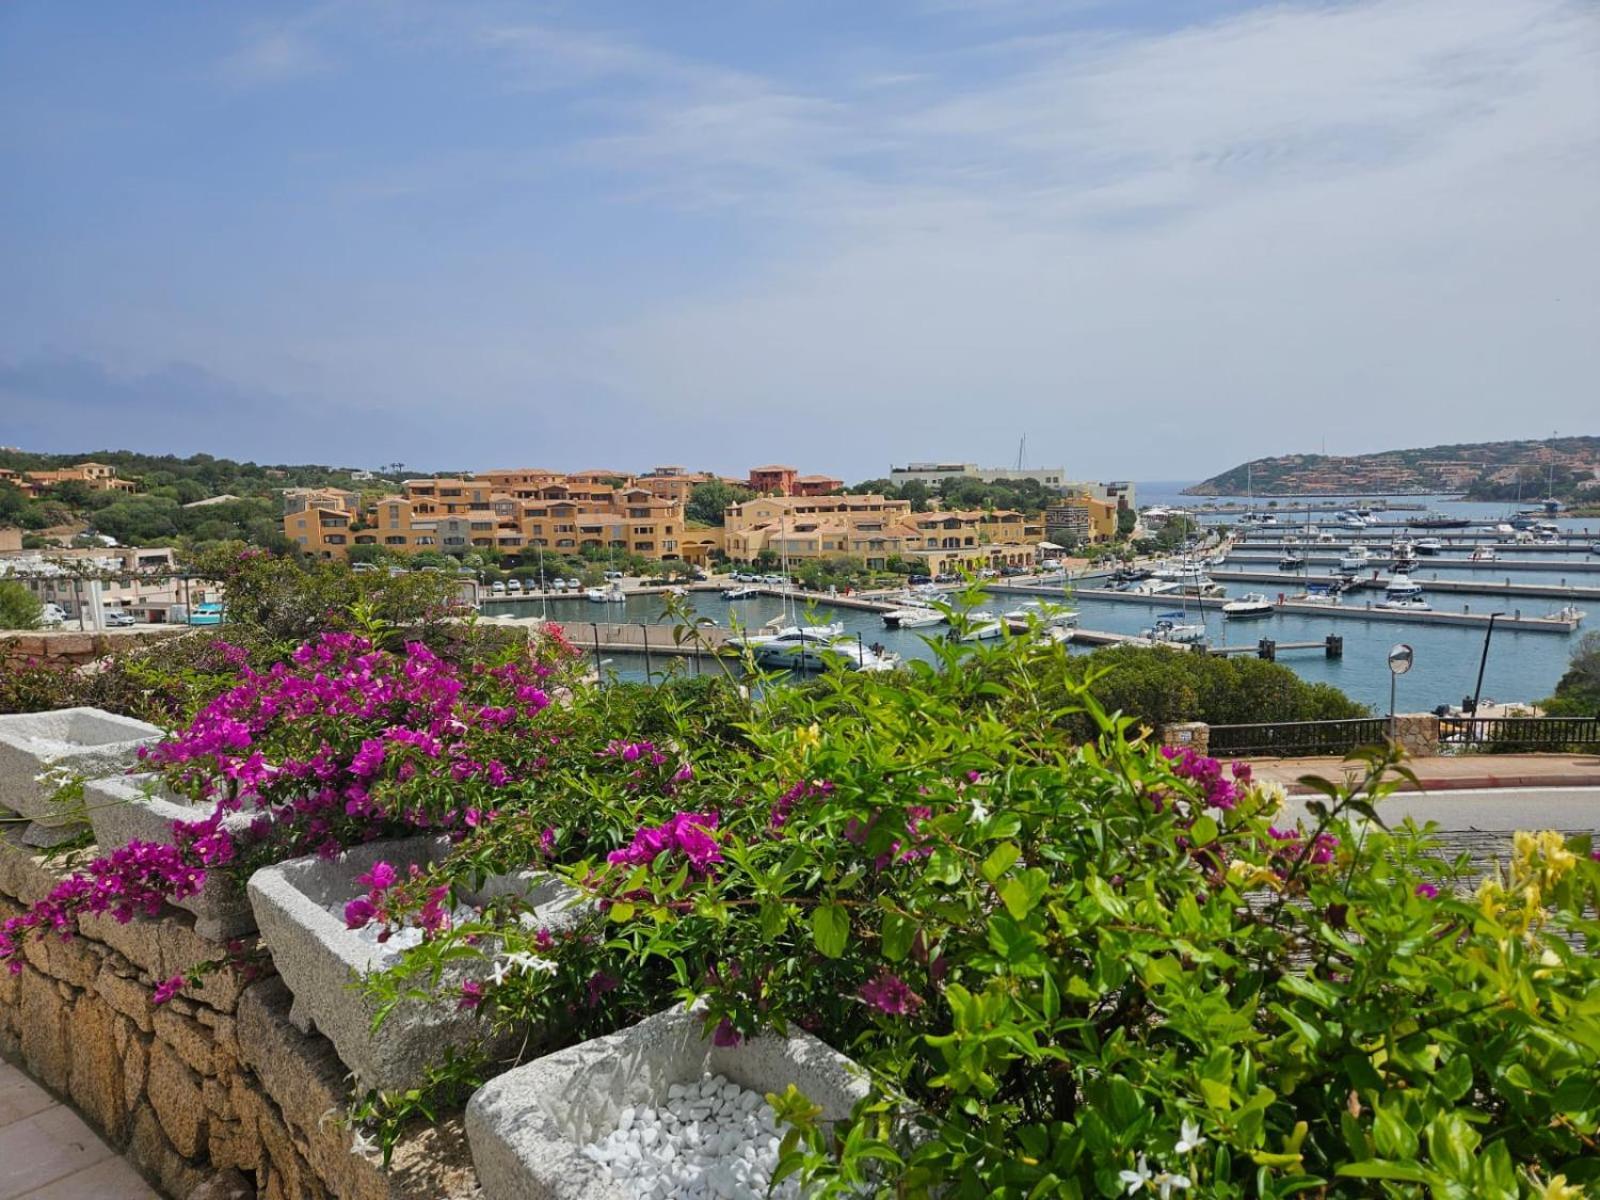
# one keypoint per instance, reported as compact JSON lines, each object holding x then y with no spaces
{"x":323,"y":962}
{"x":123,"y":809}
{"x":527,"y":1127}
{"x":40,"y":750}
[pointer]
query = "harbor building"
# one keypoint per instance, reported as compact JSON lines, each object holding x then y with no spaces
{"x":1081,"y":518}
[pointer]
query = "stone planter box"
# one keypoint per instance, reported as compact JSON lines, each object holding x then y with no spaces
{"x":323,"y":962}
{"x":85,"y":742}
{"x":527,"y":1127}
{"x":123,"y":809}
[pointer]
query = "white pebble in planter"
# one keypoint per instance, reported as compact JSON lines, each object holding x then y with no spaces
{"x":131,"y":808}
{"x":323,"y":962}
{"x":537,"y":1132}
{"x":39,"y":750}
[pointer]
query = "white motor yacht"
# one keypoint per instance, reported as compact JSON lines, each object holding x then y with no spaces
{"x":1355,"y":558}
{"x":1251,"y":604}
{"x":1043,"y":611}
{"x":1570,"y":612}
{"x":741,"y":592}
{"x":775,"y":629}
{"x":1406,"y":604}
{"x":1400,"y":587}
{"x":1483,"y":554}
{"x":1429,"y":545}
{"x":603,"y":595}
{"x":913,"y":616}
{"x":982,"y":626}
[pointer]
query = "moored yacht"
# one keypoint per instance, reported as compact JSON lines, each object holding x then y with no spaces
{"x":1355,"y":558}
{"x":1251,"y":604}
{"x":1406,"y":604}
{"x":1483,"y":554}
{"x":1429,"y":546}
{"x":1401,"y":586}
{"x":1176,"y":627}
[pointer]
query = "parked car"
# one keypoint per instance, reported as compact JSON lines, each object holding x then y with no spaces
{"x":946,"y":577}
{"x":988,"y":573}
{"x":1009,"y":571}
{"x":364,"y":566}
{"x":118,"y":619}
{"x":514,"y":585}
{"x":919,"y":578}
{"x":1051,"y":564}
{"x":498,"y":587}
{"x":699,"y":575}
{"x":558,"y":585}
{"x":52,"y":614}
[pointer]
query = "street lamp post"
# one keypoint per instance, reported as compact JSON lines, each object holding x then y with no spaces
{"x":1483,"y":662}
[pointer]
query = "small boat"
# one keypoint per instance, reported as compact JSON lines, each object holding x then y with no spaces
{"x":1483,"y":554}
{"x":1355,"y":558}
{"x":1291,"y":562}
{"x":1251,"y":604}
{"x":1428,"y":545}
{"x":810,"y":649}
{"x":1570,"y":612}
{"x":1175,"y":627}
{"x":1317,"y":593}
{"x":610,"y":595}
{"x":913,"y":616}
{"x":1152,"y":587}
{"x":741,"y":592}
{"x":1038,"y":610}
{"x":1406,"y":604}
{"x":1595,"y":549}
{"x":1401,"y":587}
{"x":981,"y":627}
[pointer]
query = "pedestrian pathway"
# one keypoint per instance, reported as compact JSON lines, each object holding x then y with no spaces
{"x":48,"y":1153}
{"x":1472,"y":772}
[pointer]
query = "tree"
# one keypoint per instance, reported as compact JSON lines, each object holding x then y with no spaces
{"x":19,"y":608}
{"x":708,"y":500}
{"x":1578,"y":693}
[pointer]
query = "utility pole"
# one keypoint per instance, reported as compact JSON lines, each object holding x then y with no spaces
{"x":1477,"y":690}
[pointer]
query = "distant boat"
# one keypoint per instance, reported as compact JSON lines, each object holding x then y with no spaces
{"x":913,"y":615}
{"x":1406,"y":604}
{"x":1483,"y":554}
{"x":1251,"y":604}
{"x":742,"y":592}
{"x":982,"y":626}
{"x":1429,"y":545}
{"x":1354,"y":559}
{"x":1401,"y":587}
{"x":1174,"y":627}
{"x":1291,"y":562}
{"x":1438,"y":520}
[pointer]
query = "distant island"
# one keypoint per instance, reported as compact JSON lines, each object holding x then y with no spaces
{"x":1567,"y":468}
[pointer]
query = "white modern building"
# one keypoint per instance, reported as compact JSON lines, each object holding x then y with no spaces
{"x":934,"y":473}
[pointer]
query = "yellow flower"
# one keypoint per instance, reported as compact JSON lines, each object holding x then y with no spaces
{"x":1248,"y":875}
{"x":1273,"y":796}
{"x":1559,"y":1189}
{"x":808,"y":739}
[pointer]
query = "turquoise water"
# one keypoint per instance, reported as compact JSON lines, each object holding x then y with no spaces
{"x":1522,"y":666}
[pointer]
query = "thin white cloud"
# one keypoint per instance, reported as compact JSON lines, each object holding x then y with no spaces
{"x":272,"y":55}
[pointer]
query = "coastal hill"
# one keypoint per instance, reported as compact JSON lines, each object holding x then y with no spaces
{"x":1568,"y":467}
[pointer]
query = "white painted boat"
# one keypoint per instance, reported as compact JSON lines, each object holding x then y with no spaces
{"x":1405,"y":604}
{"x":1355,"y":558}
{"x":1173,"y":627}
{"x":1251,"y":604}
{"x":913,"y":616}
{"x":1401,"y":587}
{"x":1483,"y":554}
{"x":982,"y":627}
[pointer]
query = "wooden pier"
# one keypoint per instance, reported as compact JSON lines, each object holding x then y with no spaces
{"x":1345,"y":611}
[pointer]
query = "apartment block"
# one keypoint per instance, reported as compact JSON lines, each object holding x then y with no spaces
{"x":97,"y":477}
{"x":1081,"y":519}
{"x":934,"y":473}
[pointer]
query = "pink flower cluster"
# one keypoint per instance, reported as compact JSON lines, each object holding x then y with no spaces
{"x":890,"y":994}
{"x":1206,"y":773}
{"x":802,"y":792}
{"x":686,"y":833}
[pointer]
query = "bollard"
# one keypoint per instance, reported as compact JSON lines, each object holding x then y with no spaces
{"x":1268,"y":649}
{"x":1334,"y":647}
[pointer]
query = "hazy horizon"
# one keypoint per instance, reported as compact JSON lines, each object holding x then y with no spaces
{"x":1156,"y":242}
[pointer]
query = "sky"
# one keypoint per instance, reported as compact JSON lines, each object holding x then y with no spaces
{"x":1153,"y":239}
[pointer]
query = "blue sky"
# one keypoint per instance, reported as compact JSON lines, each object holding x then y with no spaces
{"x":1154,"y":238}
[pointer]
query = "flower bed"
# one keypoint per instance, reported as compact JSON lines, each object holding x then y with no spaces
{"x":136,"y":809}
{"x":41,"y":751}
{"x":324,"y":945}
{"x":529,"y":1127}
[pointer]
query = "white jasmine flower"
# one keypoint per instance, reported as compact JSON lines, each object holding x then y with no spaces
{"x":1189,"y":1139}
{"x":498,"y":973}
{"x":1136,"y":1180}
{"x":361,"y":1145}
{"x":979,"y":812}
{"x":1167,"y":1183}
{"x":526,"y":962}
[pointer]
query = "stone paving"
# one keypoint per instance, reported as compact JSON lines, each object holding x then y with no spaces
{"x":48,"y":1153}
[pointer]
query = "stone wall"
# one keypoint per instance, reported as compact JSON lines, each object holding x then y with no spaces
{"x":214,"y":1079}
{"x":1416,"y":733}
{"x":79,"y":647}
{"x":1187,"y":735}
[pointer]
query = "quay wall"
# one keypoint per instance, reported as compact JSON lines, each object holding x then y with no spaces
{"x":214,"y":1083}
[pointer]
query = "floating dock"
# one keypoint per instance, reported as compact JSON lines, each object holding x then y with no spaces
{"x":1573,"y":566}
{"x":1467,"y":587}
{"x":1345,"y":612}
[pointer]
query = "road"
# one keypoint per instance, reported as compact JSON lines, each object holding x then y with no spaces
{"x":1497,"y":810}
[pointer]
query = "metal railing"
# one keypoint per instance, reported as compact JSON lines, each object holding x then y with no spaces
{"x":1293,"y":739}
{"x":1511,"y":735}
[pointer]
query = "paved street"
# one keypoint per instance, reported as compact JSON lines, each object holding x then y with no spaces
{"x":1505,"y":810}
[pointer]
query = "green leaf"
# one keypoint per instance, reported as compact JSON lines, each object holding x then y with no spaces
{"x":830,"y":927}
{"x":1203,"y":832}
{"x":1000,"y":860}
{"x":1377,"y":1168}
{"x":898,"y":933}
{"x":1021,"y":892}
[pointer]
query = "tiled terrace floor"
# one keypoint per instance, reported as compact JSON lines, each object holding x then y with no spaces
{"x":48,"y":1153}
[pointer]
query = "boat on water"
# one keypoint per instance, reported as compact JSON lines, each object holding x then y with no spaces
{"x":1051,"y":615}
{"x":1317,"y":593}
{"x":610,"y":595}
{"x":1176,"y":627}
{"x":1428,"y":545}
{"x":1350,"y":521}
{"x":1595,"y":549}
{"x":1251,"y":604}
{"x":913,"y":615}
{"x":741,"y":592}
{"x":1569,"y":612}
{"x":810,"y":650}
{"x":775,"y":629}
{"x":1405,"y":604}
{"x":1483,"y":554}
{"x":1152,"y":587}
{"x":982,"y":626}
{"x":1355,"y":558}
{"x":1401,"y":586}
{"x":1438,"y":520}
{"x":1291,"y":562}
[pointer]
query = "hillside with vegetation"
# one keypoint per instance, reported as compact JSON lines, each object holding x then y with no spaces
{"x":200,"y":498}
{"x":1568,"y":468}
